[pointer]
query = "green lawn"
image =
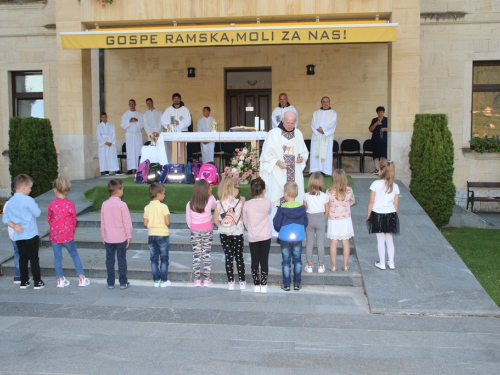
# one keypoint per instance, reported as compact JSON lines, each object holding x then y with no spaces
{"x":480,"y":251}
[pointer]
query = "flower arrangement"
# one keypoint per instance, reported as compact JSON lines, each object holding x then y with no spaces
{"x":154,"y":138}
{"x":243,"y":164}
{"x":485,"y":144}
{"x":104,"y":2}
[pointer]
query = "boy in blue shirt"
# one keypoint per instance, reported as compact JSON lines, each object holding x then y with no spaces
{"x":291,"y":222}
{"x":20,"y":215}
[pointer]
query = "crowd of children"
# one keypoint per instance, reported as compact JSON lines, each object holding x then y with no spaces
{"x":293,"y":221}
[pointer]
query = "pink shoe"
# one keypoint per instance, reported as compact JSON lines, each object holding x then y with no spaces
{"x":207,"y":283}
{"x":197,"y":283}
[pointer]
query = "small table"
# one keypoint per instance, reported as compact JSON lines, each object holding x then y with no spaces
{"x":152,"y":153}
{"x":184,"y":137}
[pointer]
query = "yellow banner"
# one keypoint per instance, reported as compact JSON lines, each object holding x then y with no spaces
{"x":231,"y":36}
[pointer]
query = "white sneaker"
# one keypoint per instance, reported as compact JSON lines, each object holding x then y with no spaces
{"x":391,"y":266}
{"x":256,"y":288}
{"x":83,"y":281}
{"x":380,"y":266}
{"x":321,"y":269}
{"x":243,"y":285}
{"x":230,"y":285}
{"x":61,"y":283}
{"x":164,"y":284}
{"x":264,"y":288}
{"x":308,"y":269}
{"x":156,"y":283}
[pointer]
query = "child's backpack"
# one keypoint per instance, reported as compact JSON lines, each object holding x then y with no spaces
{"x":210,"y":173}
{"x":228,"y":220}
{"x":196,"y":169}
{"x":175,"y":174}
{"x":188,"y":173}
{"x":141,"y":176}
{"x":162,"y":179}
{"x":153,"y":173}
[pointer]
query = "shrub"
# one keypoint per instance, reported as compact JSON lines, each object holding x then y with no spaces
{"x":485,"y":144}
{"x":431,"y":165}
{"x":32,"y":151}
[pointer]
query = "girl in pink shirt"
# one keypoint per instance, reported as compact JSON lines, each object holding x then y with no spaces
{"x":61,"y":215}
{"x":199,"y":220}
{"x":339,"y":218}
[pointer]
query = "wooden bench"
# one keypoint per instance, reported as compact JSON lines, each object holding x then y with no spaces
{"x":480,"y":185}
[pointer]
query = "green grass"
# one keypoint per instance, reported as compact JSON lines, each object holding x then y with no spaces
{"x":480,"y":251}
{"x":176,"y":195}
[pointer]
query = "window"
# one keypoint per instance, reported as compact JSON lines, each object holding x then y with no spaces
{"x":486,"y":99}
{"x":27,"y":94}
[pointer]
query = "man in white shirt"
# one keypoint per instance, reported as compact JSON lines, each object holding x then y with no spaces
{"x":279,"y":111}
{"x":152,"y":118}
{"x":132,"y":123}
{"x":205,"y":125}
{"x":323,"y":124}
{"x":176,"y":118}
{"x":106,"y":139}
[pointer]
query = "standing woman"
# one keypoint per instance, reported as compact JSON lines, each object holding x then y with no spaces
{"x":378,"y":128}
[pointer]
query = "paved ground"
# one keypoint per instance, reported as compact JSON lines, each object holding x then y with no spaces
{"x":430,"y":315}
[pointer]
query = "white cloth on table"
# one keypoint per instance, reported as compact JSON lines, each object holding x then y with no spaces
{"x":108,"y":160}
{"x":207,"y":150}
{"x":274,"y":176}
{"x":152,"y":121}
{"x":279,"y":112}
{"x":133,"y":137}
{"x":327,"y":120}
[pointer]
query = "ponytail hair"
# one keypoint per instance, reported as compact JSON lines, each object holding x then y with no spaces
{"x":388,"y":173}
{"x":257,"y":186}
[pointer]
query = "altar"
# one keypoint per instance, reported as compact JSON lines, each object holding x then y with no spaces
{"x":181,"y":138}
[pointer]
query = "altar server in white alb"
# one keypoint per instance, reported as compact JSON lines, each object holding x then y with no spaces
{"x":205,"y":125}
{"x":279,"y":111}
{"x":106,"y":139}
{"x":323,"y":124}
{"x":152,"y":118}
{"x":132,"y":123}
{"x":177,"y":114}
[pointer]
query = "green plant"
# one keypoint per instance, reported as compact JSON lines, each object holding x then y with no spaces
{"x":32,"y":152}
{"x":431,"y":165}
{"x":243,"y":165}
{"x":485,"y":144}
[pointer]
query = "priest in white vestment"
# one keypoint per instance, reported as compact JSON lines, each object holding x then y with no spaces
{"x":283,"y":159}
{"x":132,"y":123}
{"x":323,"y":124}
{"x":205,"y":125}
{"x":152,"y":119}
{"x":279,"y":111}
{"x":177,"y":117}
{"x":106,"y":139}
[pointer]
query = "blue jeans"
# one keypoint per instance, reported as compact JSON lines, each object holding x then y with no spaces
{"x":17,"y":272}
{"x":291,"y":252}
{"x":158,"y":249}
{"x":58,"y":257}
{"x":120,"y":249}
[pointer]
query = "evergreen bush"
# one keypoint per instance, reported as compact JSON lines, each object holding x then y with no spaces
{"x":431,"y":165}
{"x":32,"y":151}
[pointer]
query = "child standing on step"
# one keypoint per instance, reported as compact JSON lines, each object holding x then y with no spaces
{"x":316,"y":202}
{"x":157,"y":220}
{"x":256,"y":219}
{"x":61,"y":215}
{"x":199,"y":220}
{"x":116,"y":231}
{"x":383,"y":212}
{"x":227,"y":217}
{"x":291,"y":222}
{"x":339,"y":218}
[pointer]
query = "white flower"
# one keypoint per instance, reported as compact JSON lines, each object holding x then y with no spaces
{"x":234,"y":170}
{"x":242,"y":157}
{"x":244,"y":151}
{"x":240,"y":163}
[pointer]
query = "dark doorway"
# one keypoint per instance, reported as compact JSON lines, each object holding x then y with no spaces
{"x":248,"y":94}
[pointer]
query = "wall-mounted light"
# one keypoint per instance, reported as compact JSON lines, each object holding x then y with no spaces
{"x":310,"y":70}
{"x":191,"y":72}
{"x":252,"y":82}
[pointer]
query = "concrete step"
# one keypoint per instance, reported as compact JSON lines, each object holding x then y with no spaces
{"x":180,"y":267}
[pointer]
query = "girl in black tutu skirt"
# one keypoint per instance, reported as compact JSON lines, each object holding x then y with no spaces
{"x":383,"y":213}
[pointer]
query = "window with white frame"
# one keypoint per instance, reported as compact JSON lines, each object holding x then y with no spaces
{"x":486,"y":99}
{"x":27,"y":94}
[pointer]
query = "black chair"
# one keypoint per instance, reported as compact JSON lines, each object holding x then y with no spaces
{"x":123,"y":155}
{"x":350,"y":148}
{"x":335,"y":153}
{"x":367,"y":151}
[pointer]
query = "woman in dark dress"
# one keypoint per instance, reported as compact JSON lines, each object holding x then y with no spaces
{"x":378,"y":128}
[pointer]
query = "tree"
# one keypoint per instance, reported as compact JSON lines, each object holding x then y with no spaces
{"x":32,"y":152}
{"x":431,"y":165}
